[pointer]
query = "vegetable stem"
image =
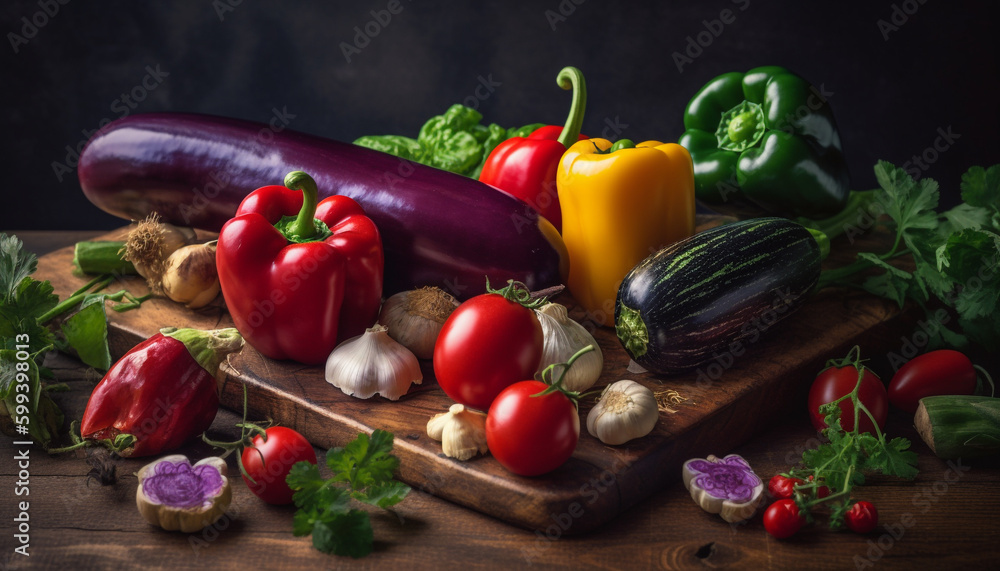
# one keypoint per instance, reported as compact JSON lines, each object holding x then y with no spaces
{"x":572,"y":78}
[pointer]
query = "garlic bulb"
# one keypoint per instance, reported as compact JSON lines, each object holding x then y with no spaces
{"x":414,"y":318}
{"x":626,"y":410}
{"x":562,"y":338}
{"x":190,"y":275}
{"x":373,"y":363}
{"x":461,"y":432}
{"x":149,"y":244}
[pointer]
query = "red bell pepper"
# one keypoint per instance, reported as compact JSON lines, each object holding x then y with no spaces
{"x":297,"y":276}
{"x":162,"y":392}
{"x":526,"y":166}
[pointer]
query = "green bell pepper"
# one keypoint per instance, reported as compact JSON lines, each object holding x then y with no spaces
{"x":765,"y":142}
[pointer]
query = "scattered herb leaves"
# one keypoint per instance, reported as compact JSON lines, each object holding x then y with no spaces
{"x":362,"y":470}
{"x":955,"y":253}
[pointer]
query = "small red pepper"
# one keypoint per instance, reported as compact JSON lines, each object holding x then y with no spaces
{"x":526,"y":166}
{"x":297,"y":276}
{"x":162,"y":392}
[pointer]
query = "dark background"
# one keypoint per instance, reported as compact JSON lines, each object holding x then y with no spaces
{"x":892,"y":89}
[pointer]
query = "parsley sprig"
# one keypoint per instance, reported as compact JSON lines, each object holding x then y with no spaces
{"x":955,"y":253}
{"x":362,"y":470}
{"x":842,"y":463}
{"x":29,"y":309}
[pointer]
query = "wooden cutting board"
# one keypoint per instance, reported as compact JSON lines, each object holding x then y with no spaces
{"x":726,"y":403}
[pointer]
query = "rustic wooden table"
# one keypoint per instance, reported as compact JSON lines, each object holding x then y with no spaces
{"x":946,"y":518}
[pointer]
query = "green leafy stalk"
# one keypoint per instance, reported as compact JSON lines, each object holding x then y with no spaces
{"x":363,"y":471}
{"x":955,"y":253}
{"x":842,"y":463}
{"x":453,"y":141}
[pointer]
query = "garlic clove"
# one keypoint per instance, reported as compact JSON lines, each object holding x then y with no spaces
{"x":562,"y":338}
{"x":414,"y":318}
{"x":373,"y":363}
{"x":626,"y":410}
{"x":190,"y":275}
{"x":462,"y":432}
{"x":150,"y":243}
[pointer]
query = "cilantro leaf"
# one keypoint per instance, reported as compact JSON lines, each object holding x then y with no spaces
{"x":364,"y":461}
{"x":347,"y":534}
{"x":363,"y":470}
{"x":43,"y":417}
{"x":384,"y":495}
{"x":908,"y":202}
{"x":981,"y":187}
{"x":893,"y":283}
{"x":15,"y":264}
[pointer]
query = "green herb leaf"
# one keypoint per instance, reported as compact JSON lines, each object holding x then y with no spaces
{"x":981,"y":187}
{"x":910,"y":203}
{"x":15,"y":264}
{"x":347,"y":534}
{"x":19,"y":314}
{"x":363,"y":470}
{"x":43,"y":416}
{"x":893,"y":283}
{"x":87,"y":332}
{"x":384,"y":495}
{"x":364,"y":461}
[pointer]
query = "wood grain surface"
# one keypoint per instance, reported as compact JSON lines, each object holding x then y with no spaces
{"x":725,"y":404}
{"x":944,"y":519}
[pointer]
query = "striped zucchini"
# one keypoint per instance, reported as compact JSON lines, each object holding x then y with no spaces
{"x":715,"y":292}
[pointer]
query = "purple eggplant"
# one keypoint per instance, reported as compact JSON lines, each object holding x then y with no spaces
{"x":437,"y":228}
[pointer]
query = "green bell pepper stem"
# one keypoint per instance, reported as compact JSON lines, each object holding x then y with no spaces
{"x":572,"y":78}
{"x":857,"y":203}
{"x":622,"y":144}
{"x":304,"y":227}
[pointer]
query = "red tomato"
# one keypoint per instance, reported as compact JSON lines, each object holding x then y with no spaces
{"x":532,"y":435}
{"x":835,"y":382}
{"x":782,"y":519}
{"x":861,"y":518}
{"x":268,"y":463}
{"x":822,"y":491}
{"x":782,"y":487}
{"x":943,"y":372}
{"x":487,"y":344}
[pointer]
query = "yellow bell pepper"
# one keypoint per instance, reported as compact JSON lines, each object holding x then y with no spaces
{"x":620,"y":203}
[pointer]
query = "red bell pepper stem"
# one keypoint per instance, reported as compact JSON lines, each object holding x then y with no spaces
{"x":572,"y":78}
{"x":304,"y":227}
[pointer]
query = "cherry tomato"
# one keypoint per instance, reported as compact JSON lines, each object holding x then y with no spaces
{"x":943,"y":372}
{"x":782,"y":519}
{"x":487,"y":344}
{"x":835,"y":382}
{"x":782,"y":487}
{"x":861,"y":518}
{"x":268,"y":463}
{"x":532,"y":435}
{"x":821,"y":491}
